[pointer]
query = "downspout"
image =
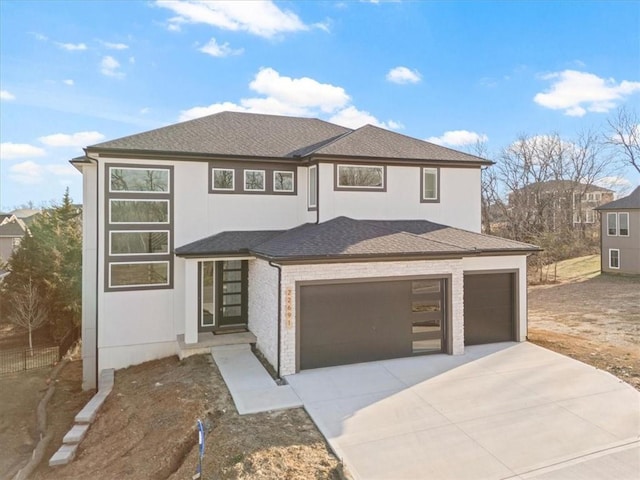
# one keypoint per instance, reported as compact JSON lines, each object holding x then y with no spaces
{"x":317,"y":193}
{"x":97,"y":267}
{"x":279,"y":315}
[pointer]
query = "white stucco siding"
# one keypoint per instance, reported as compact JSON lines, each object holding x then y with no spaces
{"x":296,"y":273}
{"x":459,"y":204}
{"x":263,"y":308}
{"x":506,"y":263}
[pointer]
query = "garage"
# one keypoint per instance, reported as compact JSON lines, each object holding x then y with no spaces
{"x":351,"y":322}
{"x":489,"y":308}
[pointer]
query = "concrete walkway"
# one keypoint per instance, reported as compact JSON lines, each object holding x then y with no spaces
{"x":252,"y":388}
{"x":499,"y":411}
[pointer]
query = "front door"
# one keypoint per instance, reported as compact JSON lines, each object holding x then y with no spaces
{"x":223,"y":295}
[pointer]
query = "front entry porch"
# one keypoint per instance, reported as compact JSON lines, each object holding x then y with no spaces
{"x":207,"y":340}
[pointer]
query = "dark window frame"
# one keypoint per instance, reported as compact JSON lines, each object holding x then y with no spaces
{"x":423,"y":170}
{"x":239,"y":168}
{"x":350,"y":188}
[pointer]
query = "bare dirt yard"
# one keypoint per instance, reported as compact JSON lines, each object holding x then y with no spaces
{"x":591,"y":317}
{"x":147,"y":429}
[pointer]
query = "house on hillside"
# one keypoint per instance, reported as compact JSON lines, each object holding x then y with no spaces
{"x":620,"y":235}
{"x":12,"y":230}
{"x":561,"y":203}
{"x":321,"y":244}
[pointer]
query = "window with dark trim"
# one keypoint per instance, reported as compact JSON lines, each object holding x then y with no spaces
{"x":430,"y":185}
{"x":312,"y":190}
{"x":614,"y":258}
{"x":360,"y":177}
{"x":254,"y":178}
{"x":138,"y":227}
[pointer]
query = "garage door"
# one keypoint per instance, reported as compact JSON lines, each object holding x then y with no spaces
{"x":489,"y":308}
{"x":345,"y":323}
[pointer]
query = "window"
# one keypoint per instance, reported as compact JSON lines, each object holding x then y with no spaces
{"x":138,"y":227}
{"x":618,"y":224}
{"x":614,"y":258}
{"x":282,"y":181}
{"x":137,"y":274}
{"x":590,"y":216}
{"x":254,"y":180}
{"x":138,"y":180}
{"x":312,"y":201}
{"x":139,"y":242}
{"x":623,"y":224}
{"x":223,"y":179}
{"x":430,"y":185}
{"x":139,"y":211}
{"x":612,"y":224}
{"x":360,"y":177}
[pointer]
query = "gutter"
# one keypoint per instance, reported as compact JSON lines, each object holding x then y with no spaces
{"x":279,"y":268}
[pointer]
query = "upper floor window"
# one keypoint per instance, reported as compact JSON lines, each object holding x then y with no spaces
{"x":312,"y":193}
{"x":223,"y":178}
{"x":618,"y":224}
{"x":282,"y":181}
{"x":133,"y":179}
{"x":139,"y":211}
{"x":365,"y":177}
{"x":430,"y":185}
{"x":254,"y":180}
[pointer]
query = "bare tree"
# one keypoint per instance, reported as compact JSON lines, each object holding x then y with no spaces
{"x":624,"y":136}
{"x":29,"y":310}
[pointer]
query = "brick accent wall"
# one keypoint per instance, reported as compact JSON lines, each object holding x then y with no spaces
{"x":263,"y":308}
{"x":296,"y":273}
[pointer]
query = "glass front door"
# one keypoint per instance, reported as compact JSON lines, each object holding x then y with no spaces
{"x":223,"y":295}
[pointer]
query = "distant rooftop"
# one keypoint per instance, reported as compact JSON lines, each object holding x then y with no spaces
{"x":630,"y":202}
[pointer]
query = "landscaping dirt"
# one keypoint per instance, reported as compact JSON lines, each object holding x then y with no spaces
{"x":147,"y":429}
{"x":593,"y":318}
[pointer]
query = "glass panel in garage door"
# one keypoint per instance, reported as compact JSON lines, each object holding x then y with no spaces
{"x":428,"y":315}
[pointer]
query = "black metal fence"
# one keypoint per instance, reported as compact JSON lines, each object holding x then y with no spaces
{"x":17,"y":360}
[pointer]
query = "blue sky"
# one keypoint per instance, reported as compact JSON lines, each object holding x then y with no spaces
{"x":78,"y":72}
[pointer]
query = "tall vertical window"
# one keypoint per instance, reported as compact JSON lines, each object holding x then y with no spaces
{"x":612,"y":224}
{"x":139,"y":227}
{"x":312,"y":201}
{"x":430,"y":185}
{"x":614,"y":258}
{"x":623,"y":224}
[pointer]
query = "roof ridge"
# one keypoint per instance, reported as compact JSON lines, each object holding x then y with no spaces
{"x":331,"y":141}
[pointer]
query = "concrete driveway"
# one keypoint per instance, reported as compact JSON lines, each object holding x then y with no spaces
{"x":509,"y":410}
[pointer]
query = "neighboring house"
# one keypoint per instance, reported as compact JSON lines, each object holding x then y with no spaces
{"x":12,"y":229}
{"x":620,"y":234}
{"x":330,"y":245}
{"x":562,"y":202}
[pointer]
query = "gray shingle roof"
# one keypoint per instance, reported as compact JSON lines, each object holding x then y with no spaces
{"x":631,"y":201}
{"x":230,"y":243}
{"x":234,"y":134}
{"x":272,"y":136}
{"x":344,"y":237}
{"x":375,"y":142}
{"x":12,"y":229}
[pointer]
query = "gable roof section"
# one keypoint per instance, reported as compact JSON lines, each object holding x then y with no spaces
{"x":344,"y":238}
{"x":235,"y":134}
{"x":15,"y":228}
{"x":232,"y":134}
{"x":376,"y":142}
{"x":630,"y":202}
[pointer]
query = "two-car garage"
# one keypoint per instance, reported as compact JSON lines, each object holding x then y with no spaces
{"x":347,"y":321}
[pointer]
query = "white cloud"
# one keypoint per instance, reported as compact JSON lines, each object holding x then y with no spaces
{"x":72,"y":47}
{"x":580,"y":92}
{"x":6,"y":95}
{"x":114,"y":46}
{"x":78,"y":140}
{"x":617,"y":183}
{"x":32,"y":173}
{"x":110,"y":67}
{"x":68,"y":82}
{"x":39,"y":36}
{"x":303,"y":97}
{"x":351,"y":117}
{"x":402,"y":75}
{"x":214,"y":49}
{"x":261,"y":18}
{"x":457,"y":138}
{"x":132,"y":60}
{"x":10,"y":150}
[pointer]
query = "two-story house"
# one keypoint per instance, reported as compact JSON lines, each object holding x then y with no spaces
{"x":620,"y":235}
{"x":325,"y":245}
